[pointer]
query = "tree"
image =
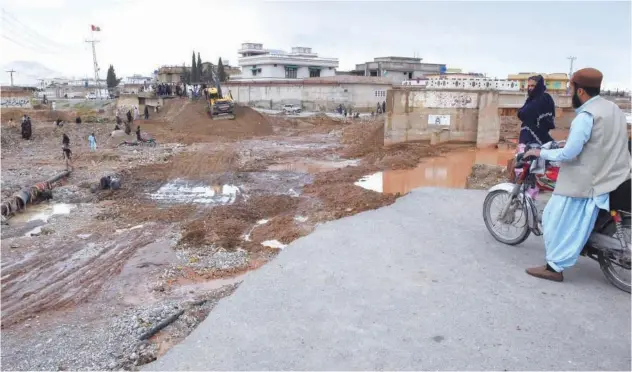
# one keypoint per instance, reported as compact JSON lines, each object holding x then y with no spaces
{"x":186,"y":75}
{"x":194,"y":70}
{"x":200,"y":68}
{"x":111,"y":79}
{"x":220,"y":70}
{"x":207,"y":73}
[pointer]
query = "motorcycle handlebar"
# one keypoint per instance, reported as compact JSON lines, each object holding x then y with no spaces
{"x":521,"y":160}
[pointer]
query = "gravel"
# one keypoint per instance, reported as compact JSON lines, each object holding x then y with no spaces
{"x":107,"y":341}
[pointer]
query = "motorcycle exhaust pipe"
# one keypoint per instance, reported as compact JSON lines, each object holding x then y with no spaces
{"x":605,"y":242}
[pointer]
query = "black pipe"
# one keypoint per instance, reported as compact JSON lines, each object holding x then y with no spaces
{"x":58,"y":177}
{"x":161,"y":325}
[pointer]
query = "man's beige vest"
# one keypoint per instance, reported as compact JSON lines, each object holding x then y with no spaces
{"x":604,"y":162}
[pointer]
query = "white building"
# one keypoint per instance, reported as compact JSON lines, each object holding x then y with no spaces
{"x":259,"y":63}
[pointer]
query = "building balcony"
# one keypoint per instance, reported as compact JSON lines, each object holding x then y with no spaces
{"x":269,"y":59}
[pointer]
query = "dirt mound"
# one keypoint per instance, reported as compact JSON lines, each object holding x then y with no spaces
{"x":283,"y":229}
{"x":194,"y":120}
{"x":226,"y":224}
{"x":192,"y":165}
{"x":38,"y":115}
{"x":485,"y":176}
{"x":341,"y":197}
{"x":345,"y":199}
{"x":362,"y":139}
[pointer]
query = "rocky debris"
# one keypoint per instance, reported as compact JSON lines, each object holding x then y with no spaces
{"x":110,"y":342}
{"x":97,"y":244}
{"x":484,"y":176}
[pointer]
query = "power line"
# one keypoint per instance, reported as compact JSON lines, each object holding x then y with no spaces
{"x":30,"y":46}
{"x":14,"y":22}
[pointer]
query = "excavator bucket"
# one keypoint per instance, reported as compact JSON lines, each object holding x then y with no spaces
{"x":222,"y":110}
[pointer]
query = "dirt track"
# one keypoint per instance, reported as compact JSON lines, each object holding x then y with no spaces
{"x":216,"y":198}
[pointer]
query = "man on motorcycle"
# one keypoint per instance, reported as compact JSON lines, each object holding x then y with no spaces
{"x":594,"y":162}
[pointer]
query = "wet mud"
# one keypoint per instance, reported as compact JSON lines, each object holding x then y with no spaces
{"x":213,"y":201}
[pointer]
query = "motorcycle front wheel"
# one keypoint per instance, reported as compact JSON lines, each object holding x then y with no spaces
{"x":616,"y":267}
{"x":515,"y":228}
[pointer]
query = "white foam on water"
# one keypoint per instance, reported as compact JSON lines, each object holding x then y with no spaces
{"x":182,"y":191}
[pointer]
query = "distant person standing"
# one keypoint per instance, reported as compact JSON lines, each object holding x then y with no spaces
{"x":139,"y":138}
{"x":27,"y":128}
{"x":383,"y":107}
{"x":537,"y":114}
{"x":146,"y":112}
{"x":65,"y":148}
{"x":129,"y":123}
{"x":93,"y":142}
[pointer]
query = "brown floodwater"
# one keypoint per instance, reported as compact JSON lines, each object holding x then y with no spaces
{"x":448,"y":171}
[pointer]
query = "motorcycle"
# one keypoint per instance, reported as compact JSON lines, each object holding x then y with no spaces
{"x":520,"y":207}
{"x":149,"y":143}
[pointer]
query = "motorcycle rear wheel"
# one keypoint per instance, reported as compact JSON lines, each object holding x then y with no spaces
{"x":490,"y":220}
{"x":605,"y":258}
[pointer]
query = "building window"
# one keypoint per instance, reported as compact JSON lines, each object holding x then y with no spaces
{"x":256,"y":71}
{"x":290,"y":72}
{"x":380,"y":93}
{"x":314,"y":73}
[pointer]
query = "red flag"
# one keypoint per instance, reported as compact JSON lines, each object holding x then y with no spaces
{"x":95,"y":28}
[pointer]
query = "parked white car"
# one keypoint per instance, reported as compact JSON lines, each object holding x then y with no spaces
{"x":91,"y":96}
{"x":291,"y":109}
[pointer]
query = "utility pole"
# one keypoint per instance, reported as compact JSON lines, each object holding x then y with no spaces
{"x":96,"y":65}
{"x":572,"y":59}
{"x":570,"y":73}
{"x":11,"y":72}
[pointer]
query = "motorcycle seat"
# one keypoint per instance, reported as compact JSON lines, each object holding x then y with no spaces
{"x":620,"y":198}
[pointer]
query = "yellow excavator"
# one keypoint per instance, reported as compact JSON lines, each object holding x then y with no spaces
{"x":220,"y":106}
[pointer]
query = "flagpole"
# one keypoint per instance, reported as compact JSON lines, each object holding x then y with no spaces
{"x":94,"y":59}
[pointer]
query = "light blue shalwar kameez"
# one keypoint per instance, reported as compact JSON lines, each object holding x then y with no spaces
{"x":567,"y":222}
{"x":93,"y":143}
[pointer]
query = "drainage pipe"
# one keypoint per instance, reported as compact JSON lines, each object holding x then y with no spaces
{"x":58,"y":177}
{"x":26,"y":196}
{"x":161,"y":325}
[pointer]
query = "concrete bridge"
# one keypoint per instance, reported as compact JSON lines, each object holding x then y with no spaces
{"x":466,"y":115}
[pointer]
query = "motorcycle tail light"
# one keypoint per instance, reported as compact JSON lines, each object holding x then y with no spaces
{"x":615,"y":216}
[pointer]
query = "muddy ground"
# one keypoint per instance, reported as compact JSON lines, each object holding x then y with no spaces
{"x":87,"y":274}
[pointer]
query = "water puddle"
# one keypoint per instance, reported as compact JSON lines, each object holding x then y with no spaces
{"x":151,"y":258}
{"x":42,"y":212}
{"x":312,"y":166}
{"x":273,"y":244}
{"x":449,"y":171}
{"x":183,"y":191}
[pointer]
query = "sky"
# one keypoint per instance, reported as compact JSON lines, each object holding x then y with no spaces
{"x":497,"y":37}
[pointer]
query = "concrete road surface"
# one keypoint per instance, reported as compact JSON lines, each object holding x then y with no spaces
{"x":415,"y":286}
